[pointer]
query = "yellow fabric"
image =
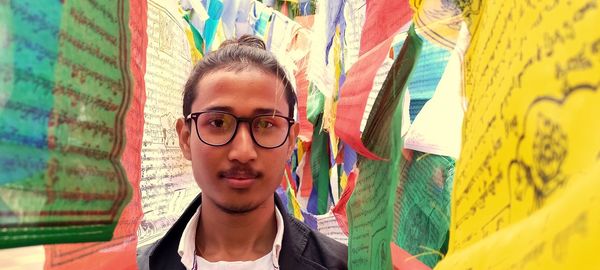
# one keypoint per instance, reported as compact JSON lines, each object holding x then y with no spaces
{"x":343,"y":180}
{"x":526,"y":185}
{"x":195,"y":53}
{"x":292,"y":197}
{"x":300,"y":150}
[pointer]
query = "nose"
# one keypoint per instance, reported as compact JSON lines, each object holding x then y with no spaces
{"x":242,"y":148}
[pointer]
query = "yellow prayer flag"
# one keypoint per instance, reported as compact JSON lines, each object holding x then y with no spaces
{"x":526,"y":187}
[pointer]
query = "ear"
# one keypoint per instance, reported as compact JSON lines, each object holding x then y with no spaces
{"x":294,"y":130}
{"x":184,"y":132}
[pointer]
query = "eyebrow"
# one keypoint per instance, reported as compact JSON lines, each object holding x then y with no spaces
{"x":256,"y":111}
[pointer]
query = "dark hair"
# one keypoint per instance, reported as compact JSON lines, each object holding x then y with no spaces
{"x":236,"y":55}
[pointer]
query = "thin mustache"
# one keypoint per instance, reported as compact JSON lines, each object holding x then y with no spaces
{"x":240,"y":172}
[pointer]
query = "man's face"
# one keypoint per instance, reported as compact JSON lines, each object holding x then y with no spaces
{"x":239,"y":176}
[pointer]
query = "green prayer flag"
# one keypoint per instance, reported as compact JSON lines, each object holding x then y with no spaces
{"x":65,"y":87}
{"x":370,"y":209}
{"x":319,"y":162}
{"x":314,"y":105}
{"x":422,"y":207}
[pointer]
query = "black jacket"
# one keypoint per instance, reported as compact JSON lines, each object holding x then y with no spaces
{"x":301,"y":247}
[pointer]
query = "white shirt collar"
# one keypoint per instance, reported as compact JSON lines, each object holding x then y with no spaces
{"x":187,"y":244}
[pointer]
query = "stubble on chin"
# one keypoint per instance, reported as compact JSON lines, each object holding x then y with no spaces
{"x":233,"y":209}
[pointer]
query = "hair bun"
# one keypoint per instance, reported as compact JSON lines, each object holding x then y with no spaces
{"x":245,"y":40}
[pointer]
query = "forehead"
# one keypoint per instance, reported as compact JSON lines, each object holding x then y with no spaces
{"x":242,"y":92}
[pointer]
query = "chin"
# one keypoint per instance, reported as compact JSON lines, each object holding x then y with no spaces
{"x":238,"y":209}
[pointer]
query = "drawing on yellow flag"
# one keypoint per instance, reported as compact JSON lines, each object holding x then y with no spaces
{"x":438,"y":21}
{"x":525,"y":192}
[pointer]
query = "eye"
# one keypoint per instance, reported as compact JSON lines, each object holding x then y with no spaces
{"x":217,"y":123}
{"x":263,"y":124}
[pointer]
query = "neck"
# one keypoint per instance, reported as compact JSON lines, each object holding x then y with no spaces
{"x":222,"y":236}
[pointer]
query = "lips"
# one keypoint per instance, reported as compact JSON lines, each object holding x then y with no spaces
{"x":240,"y":179}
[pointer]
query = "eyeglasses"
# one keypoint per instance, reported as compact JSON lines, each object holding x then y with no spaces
{"x":218,"y":128}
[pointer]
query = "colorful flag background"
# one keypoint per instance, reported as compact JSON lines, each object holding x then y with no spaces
{"x":432,"y":133}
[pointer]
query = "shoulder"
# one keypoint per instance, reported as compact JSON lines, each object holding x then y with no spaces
{"x":319,"y":248}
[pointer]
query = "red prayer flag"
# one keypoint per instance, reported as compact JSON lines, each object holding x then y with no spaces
{"x":383,"y":19}
{"x":354,"y":95}
{"x":339,"y":211}
{"x":306,"y":183}
{"x":402,"y":260}
{"x":300,"y":45}
{"x":284,"y":9}
{"x":306,"y":128}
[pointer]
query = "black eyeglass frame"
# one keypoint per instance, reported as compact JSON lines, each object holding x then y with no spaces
{"x":194,"y":116}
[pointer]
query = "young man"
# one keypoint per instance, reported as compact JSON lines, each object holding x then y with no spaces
{"x":238,"y":133}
